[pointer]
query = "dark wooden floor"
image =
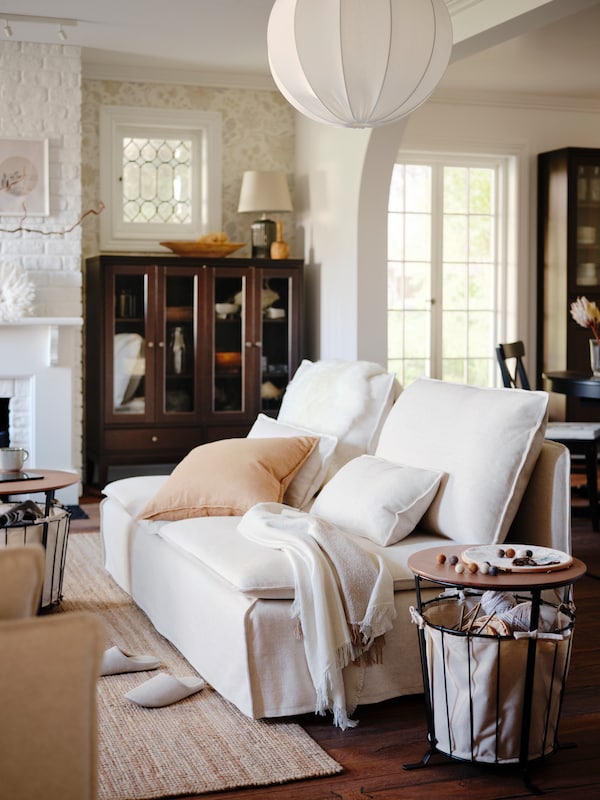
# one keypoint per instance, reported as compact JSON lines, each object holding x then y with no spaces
{"x":394,"y":733}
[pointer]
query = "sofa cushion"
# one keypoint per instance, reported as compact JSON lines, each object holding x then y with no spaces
{"x":346,"y":399}
{"x":486,"y":441}
{"x":134,"y":493}
{"x":229,"y":476}
{"x":309,"y":478}
{"x":264,"y":572}
{"x":377,"y":499}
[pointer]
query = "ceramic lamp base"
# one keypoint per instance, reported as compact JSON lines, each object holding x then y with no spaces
{"x":264,"y":233}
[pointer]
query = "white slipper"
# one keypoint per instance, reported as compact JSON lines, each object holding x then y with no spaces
{"x":164,"y":689}
{"x":115,"y":662}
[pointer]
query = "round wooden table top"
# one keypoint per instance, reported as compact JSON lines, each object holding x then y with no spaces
{"x":424,"y":563}
{"x":50,"y":480}
{"x":574,"y":383}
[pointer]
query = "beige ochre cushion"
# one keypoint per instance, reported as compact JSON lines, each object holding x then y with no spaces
{"x":377,"y":499}
{"x":229,"y":476}
{"x":486,"y":441}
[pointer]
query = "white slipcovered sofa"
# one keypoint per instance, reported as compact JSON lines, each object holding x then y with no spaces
{"x":401,"y":471}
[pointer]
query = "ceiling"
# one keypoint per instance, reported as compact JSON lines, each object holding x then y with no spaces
{"x":223,"y":42}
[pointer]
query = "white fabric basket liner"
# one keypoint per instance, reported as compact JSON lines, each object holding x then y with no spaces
{"x":477,"y":685}
{"x":25,"y":533}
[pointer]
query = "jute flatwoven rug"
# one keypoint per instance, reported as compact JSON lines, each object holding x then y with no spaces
{"x":201,"y":744}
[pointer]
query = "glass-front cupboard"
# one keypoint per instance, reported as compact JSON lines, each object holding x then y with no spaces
{"x":568,"y":265}
{"x":182,"y":351}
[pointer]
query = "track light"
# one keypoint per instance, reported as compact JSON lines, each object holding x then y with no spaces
{"x":60,"y":22}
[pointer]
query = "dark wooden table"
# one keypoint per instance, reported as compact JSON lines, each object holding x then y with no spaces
{"x":573,"y":383}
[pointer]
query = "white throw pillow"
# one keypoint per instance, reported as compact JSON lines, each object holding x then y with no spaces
{"x":486,"y":441}
{"x":346,"y":399}
{"x":311,"y":475}
{"x":133,"y":493}
{"x":377,"y":499}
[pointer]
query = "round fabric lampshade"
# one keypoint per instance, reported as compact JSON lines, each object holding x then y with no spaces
{"x":358,"y":64}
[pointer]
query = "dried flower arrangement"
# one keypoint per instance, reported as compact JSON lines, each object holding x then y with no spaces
{"x":587,"y":314}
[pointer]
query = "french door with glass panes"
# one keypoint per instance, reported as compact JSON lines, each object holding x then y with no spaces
{"x":446,"y":268}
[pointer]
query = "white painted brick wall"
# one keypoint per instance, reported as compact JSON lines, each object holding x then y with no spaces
{"x":40,"y":87}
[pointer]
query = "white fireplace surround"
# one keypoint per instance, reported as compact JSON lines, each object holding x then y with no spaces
{"x":36,"y":375}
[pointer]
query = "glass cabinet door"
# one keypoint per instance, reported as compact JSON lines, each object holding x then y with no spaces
{"x":177,"y":346}
{"x":129,"y":325}
{"x":276,"y":339}
{"x":587,"y":228}
{"x":233,"y":343}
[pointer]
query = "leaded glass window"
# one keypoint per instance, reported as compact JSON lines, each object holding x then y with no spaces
{"x":157,"y":180}
{"x":160,"y":176}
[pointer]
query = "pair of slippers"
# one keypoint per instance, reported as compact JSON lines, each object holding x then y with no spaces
{"x":161,"y":690}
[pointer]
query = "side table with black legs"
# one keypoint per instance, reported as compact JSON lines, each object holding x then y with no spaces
{"x":501,"y":668}
{"x":51,"y":529}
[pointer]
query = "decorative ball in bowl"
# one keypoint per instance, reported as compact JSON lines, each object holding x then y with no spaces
{"x":224,"y":309}
{"x":228,"y":359}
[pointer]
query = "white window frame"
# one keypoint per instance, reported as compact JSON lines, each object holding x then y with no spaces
{"x":204,"y":130}
{"x":509,"y":201}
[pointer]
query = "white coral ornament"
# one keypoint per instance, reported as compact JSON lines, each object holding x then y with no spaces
{"x":17,"y":293}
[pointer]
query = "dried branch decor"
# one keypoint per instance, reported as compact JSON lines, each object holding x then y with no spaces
{"x":22,"y":229}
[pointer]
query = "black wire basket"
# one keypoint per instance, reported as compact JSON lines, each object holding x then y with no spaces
{"x":52,"y":532}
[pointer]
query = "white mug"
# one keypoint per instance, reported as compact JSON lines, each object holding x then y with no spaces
{"x":12,"y":458}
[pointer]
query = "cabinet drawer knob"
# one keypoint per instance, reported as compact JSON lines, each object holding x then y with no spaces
{"x":161,"y":344}
{"x":155,"y":438}
{"x":149,"y":345}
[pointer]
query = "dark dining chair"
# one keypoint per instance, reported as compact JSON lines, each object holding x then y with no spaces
{"x":581,"y":438}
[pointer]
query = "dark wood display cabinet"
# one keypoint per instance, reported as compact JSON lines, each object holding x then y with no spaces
{"x":180,"y":351}
{"x":568,"y":266}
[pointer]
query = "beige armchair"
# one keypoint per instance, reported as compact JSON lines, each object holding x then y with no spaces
{"x":21,"y":580}
{"x":49,"y":666}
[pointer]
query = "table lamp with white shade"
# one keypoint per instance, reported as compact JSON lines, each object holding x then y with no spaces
{"x":264,"y":191}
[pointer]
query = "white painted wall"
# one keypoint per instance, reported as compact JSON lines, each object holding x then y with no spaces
{"x":345,"y":184}
{"x":329,"y":164}
{"x":40,"y":86}
{"x":342,"y":179}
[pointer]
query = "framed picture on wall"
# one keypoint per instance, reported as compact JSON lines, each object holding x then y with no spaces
{"x":24,"y":177}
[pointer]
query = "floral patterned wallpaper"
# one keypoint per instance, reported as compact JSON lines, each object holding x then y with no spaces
{"x":258,"y":133}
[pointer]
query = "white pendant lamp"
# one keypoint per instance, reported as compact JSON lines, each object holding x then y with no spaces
{"x":358,"y":63}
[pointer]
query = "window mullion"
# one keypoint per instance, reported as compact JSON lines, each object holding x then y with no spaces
{"x":437,"y":256}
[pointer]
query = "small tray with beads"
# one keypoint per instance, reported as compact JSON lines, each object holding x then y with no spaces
{"x":518,"y":557}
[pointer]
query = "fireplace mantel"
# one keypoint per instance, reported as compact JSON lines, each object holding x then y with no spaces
{"x":53,"y":326}
{"x":37,"y":376}
{"x":77,"y":321}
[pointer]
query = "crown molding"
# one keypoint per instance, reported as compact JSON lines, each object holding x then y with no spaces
{"x":184,"y":77}
{"x":526,"y":100}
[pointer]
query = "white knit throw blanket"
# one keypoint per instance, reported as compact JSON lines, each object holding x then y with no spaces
{"x":344,"y":597}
